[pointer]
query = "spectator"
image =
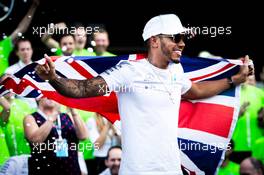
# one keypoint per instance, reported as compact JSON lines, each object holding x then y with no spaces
{"x":88,"y":150}
{"x":247,"y":130}
{"x":102,"y":42}
{"x":258,"y":147}
{"x":13,"y":111}
{"x":6,"y":45}
{"x":24,"y":52}
{"x":80,"y":41}
{"x":67,"y":44}
{"x":85,"y":154}
{"x":53,"y":138}
{"x":80,"y":38}
{"x":4,"y":152}
{"x":102,"y":134}
{"x":51,"y":43}
{"x":112,"y":161}
{"x":251,"y":166}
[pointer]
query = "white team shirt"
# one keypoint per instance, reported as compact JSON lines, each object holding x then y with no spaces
{"x":149,"y":115}
{"x":16,"y":67}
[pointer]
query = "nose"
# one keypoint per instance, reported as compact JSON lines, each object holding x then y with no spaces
{"x":181,"y":44}
{"x":117,"y":162}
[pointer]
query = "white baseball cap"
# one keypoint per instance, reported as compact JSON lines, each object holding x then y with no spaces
{"x":168,"y":24}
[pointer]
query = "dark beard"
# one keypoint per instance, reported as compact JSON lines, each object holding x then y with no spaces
{"x":100,"y":49}
{"x":164,"y":51}
{"x":175,"y":61}
{"x":167,"y":53}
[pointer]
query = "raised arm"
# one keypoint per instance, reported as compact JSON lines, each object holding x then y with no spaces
{"x":207,"y":89}
{"x":79,"y":125}
{"x":69,"y":87}
{"x":47,"y":39}
{"x":24,"y":24}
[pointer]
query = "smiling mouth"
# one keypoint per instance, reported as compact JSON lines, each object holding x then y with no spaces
{"x":179,"y":52}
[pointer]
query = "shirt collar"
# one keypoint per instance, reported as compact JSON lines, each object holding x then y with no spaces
{"x":21,"y":64}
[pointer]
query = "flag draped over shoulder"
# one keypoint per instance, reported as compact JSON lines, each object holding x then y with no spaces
{"x":205,"y":126}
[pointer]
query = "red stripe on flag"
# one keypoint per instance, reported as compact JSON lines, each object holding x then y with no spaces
{"x":81,"y":69}
{"x":105,"y":105}
{"x":54,"y":58}
{"x":212,"y":118}
{"x":16,"y":88}
{"x":216,"y":72}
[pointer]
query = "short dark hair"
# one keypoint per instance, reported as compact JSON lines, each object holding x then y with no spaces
{"x":111,"y":148}
{"x":100,"y":30}
{"x":64,"y":34}
{"x":147,"y":44}
{"x":78,"y":25}
{"x":257,"y":164}
{"x":20,"y":40}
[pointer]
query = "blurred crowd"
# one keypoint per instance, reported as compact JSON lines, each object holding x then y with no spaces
{"x":29,"y":125}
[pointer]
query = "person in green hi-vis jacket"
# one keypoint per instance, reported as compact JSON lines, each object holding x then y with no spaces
{"x":12,"y":125}
{"x":4,"y":152}
{"x":247,"y":130}
{"x":7,"y":44}
{"x":100,"y":41}
{"x":258,"y":146}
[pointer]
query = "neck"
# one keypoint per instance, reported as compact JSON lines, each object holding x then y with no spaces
{"x":67,"y":54}
{"x":158,"y":60}
{"x":47,"y":111}
{"x":79,"y":47}
{"x":26,"y":62}
{"x":99,"y":53}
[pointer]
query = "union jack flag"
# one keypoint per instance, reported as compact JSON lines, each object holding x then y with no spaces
{"x":205,"y":126}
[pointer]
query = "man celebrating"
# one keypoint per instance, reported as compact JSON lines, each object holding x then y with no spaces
{"x":149,"y":93}
{"x":112,"y":161}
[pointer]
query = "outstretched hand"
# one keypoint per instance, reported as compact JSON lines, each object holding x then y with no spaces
{"x":46,"y":71}
{"x":245,"y":71}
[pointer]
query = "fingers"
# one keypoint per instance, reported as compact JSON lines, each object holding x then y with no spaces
{"x":246,"y":60}
{"x":40,"y":69}
{"x":47,"y":68}
{"x":49,"y":62}
{"x":249,"y":67}
{"x":251,"y":70}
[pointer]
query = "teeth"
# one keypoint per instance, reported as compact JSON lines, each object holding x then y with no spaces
{"x":178,"y":52}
